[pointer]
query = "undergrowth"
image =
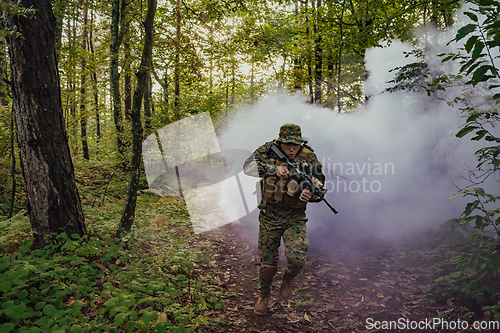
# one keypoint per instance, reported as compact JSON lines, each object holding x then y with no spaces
{"x":147,"y":281}
{"x":466,"y":271}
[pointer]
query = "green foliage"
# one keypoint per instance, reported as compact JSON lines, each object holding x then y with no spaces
{"x":471,"y":272}
{"x":467,"y":270}
{"x":147,"y":281}
{"x":304,"y":303}
{"x":6,"y":187}
{"x":411,"y":77}
{"x":478,"y":66}
{"x":11,"y":10}
{"x":102,"y":283}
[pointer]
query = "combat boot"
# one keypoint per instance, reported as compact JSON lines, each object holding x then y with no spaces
{"x":261,"y":305}
{"x":286,"y":289}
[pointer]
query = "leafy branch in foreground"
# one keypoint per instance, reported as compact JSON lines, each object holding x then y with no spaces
{"x":480,"y":71}
{"x":471,"y":273}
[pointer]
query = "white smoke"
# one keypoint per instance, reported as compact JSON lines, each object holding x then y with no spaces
{"x":391,"y":165}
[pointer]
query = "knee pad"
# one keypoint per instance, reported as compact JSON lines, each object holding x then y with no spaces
{"x":267,"y":271}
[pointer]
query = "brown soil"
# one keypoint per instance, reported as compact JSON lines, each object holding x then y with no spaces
{"x":337,"y":291}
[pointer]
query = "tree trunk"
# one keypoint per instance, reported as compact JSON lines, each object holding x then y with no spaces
{"x":83,"y":93}
{"x":117,"y":31}
{"x":13,"y":170}
{"x":71,"y":124}
{"x":147,"y":103}
{"x":128,"y":214}
{"x":296,"y":62}
{"x":165,"y":87}
{"x":53,"y":202}
{"x":59,"y":8}
{"x":128,"y":78}
{"x":94,"y":81}
{"x":339,"y":104}
{"x":318,"y":72}
{"x":177,"y":64}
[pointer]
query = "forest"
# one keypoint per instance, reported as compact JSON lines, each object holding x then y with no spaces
{"x":403,"y":93}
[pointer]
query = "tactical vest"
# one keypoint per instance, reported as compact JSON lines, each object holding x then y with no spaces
{"x":285,"y":192}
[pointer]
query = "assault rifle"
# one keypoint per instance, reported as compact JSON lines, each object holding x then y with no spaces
{"x":301,"y":171}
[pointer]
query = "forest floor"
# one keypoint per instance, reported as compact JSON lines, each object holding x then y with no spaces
{"x":342,"y":290}
{"x":344,"y":287}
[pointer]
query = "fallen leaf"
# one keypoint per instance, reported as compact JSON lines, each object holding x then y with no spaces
{"x":162,"y":317}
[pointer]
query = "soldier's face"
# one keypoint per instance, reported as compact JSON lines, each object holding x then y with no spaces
{"x":290,"y":149}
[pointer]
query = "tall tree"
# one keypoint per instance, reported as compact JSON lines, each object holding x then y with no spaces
{"x":53,"y":202}
{"x":128,"y":214}
{"x":94,"y":79}
{"x":117,"y":32}
{"x":83,"y":93}
{"x":318,"y":52}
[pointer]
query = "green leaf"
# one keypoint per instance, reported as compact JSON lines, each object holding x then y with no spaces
{"x":161,"y":328}
{"x":472,"y":16}
{"x":479,"y":74}
{"x":478,"y":48}
{"x":473,"y":67}
{"x":464,"y":31}
{"x":470,"y":43}
{"x":39,"y":305}
{"x":10,"y":312}
{"x":140,"y":325}
{"x":487,"y":2}
{"x":5,"y":286}
{"x":479,"y":222}
{"x":467,"y":65}
{"x":148,"y":317}
{"x":446,"y":58}
{"x":181,"y":277}
{"x":110,"y":303}
{"x":120,"y":318}
{"x":49,"y":310}
{"x":479,"y":135}
{"x":473,"y":117}
{"x":464,"y":131}
{"x":479,"y":191}
{"x":459,"y":192}
{"x":26,"y":315}
{"x":6,"y":328}
{"x":130,"y":325}
{"x":76,"y":328}
{"x":22,"y":273}
{"x":470,"y":207}
{"x":133,"y":315}
{"x":22,"y":294}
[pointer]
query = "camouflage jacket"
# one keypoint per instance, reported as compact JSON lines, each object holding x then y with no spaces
{"x":262,"y":164}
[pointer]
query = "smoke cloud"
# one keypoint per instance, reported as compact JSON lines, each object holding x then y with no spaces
{"x":391,"y":166}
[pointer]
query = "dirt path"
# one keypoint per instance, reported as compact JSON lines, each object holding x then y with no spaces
{"x":338,"y":291}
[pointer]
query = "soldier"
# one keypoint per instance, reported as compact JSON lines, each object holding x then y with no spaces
{"x":282,"y":210}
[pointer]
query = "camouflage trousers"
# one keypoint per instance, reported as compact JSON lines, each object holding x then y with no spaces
{"x":276,"y":223}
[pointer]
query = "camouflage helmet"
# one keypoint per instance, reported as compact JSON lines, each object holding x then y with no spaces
{"x":290,"y":133}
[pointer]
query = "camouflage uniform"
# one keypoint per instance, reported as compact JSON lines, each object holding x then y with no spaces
{"x":285,"y":218}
